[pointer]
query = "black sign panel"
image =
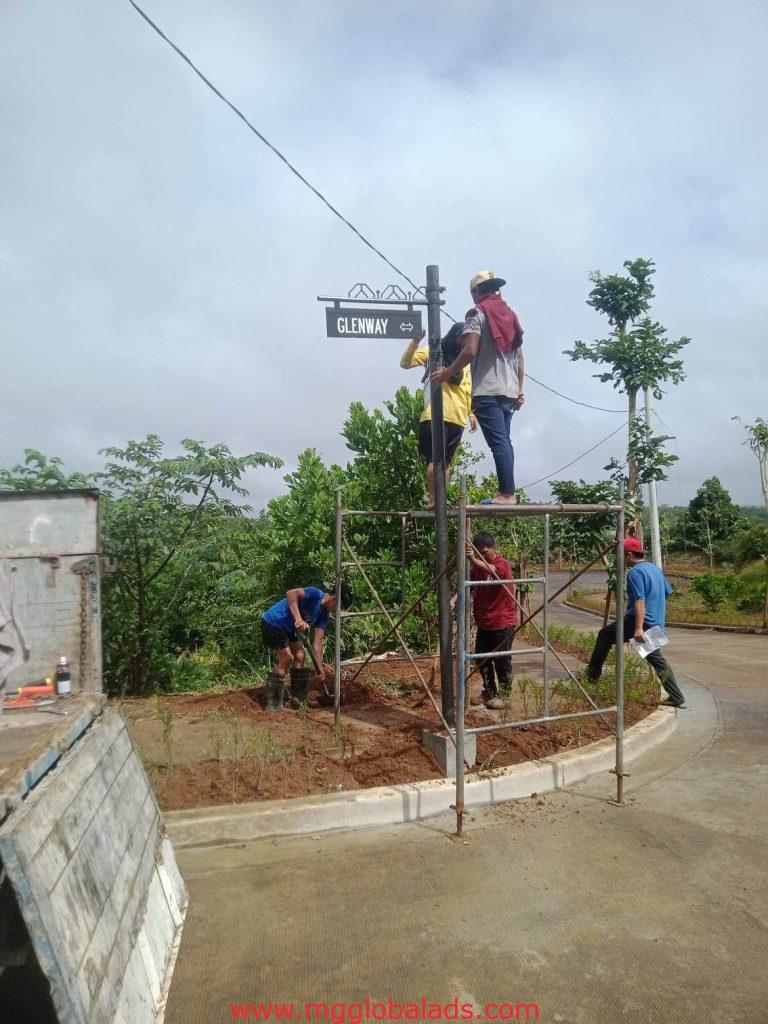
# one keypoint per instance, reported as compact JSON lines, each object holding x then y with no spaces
{"x":372,"y":323}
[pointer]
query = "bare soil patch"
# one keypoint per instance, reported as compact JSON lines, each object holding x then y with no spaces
{"x":208,"y":749}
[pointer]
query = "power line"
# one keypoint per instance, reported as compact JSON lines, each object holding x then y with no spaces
{"x":661,"y":421}
{"x":575,"y":401}
{"x":236,"y":110}
{"x":265,"y":140}
{"x":574,"y":461}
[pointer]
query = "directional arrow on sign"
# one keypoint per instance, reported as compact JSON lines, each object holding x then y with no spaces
{"x":406,"y":328}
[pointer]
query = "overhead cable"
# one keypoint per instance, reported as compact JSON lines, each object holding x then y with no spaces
{"x":236,"y":110}
{"x":574,"y":461}
{"x":265,"y":140}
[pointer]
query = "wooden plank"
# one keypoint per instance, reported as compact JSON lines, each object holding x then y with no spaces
{"x":67,"y":833}
{"x":157,"y":935}
{"x":29,"y":750}
{"x":95,"y":962}
{"x":136,"y":1005}
{"x":45,"y":933}
{"x":172,"y":882}
{"x":82,"y":890}
{"x":105,"y":1003}
{"x":152,"y":979}
{"x":103,"y":896}
{"x":60,"y":787}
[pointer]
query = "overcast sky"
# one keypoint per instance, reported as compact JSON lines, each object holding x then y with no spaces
{"x":159,"y":266}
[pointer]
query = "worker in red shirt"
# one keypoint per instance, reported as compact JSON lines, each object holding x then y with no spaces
{"x":495,"y":610}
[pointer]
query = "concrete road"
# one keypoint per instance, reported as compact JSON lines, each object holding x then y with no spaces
{"x":656,"y":912}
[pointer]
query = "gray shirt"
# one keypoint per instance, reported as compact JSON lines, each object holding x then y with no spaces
{"x":493,"y":372}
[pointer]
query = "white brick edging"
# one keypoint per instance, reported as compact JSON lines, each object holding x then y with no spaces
{"x":392,"y":805}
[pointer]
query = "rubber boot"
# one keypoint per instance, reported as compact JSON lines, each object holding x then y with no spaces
{"x":275,"y":691}
{"x":300,"y":684}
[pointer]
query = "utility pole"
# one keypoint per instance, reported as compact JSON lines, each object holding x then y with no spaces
{"x":652,"y":501}
{"x":444,"y":625}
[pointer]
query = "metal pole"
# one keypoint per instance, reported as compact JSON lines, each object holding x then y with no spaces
{"x":444,"y":626}
{"x":545,"y":622}
{"x":620,"y":650}
{"x":653,"y":504}
{"x":462,"y":596}
{"x":403,"y":580}
{"x":467,"y":611}
{"x":337,"y":616}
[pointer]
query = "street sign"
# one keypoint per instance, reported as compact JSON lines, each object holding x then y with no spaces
{"x":372,"y":323}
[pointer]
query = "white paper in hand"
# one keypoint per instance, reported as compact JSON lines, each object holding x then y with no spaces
{"x":653,"y":639}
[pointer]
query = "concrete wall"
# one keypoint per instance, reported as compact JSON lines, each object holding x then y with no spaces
{"x":95,"y":877}
{"x":51,"y":538}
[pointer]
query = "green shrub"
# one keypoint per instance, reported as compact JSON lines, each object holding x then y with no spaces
{"x":752,"y":543}
{"x":714,"y":589}
{"x":750,"y":587}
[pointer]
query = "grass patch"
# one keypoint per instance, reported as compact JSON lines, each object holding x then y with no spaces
{"x":684,"y":606}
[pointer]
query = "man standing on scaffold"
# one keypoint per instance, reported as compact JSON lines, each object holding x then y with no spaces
{"x":491,"y":342}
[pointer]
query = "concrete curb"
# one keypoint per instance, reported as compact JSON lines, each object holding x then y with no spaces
{"x":703,"y":626}
{"x":392,"y":805}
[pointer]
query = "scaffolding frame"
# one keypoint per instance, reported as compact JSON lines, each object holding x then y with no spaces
{"x":465,"y":513}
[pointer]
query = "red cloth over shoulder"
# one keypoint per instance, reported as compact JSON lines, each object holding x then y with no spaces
{"x":505,"y":327}
{"x":494,"y":607}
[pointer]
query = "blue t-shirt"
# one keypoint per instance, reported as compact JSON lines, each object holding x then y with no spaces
{"x":646,"y":582}
{"x":312,"y":611}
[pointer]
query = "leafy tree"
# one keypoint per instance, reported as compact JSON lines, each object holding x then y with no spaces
{"x":582,"y":537}
{"x":155,"y":508}
{"x":757,"y":441}
{"x":751,"y":549}
{"x":751,"y":544}
{"x":646,"y":453}
{"x":752,"y":589}
{"x":670,"y":529}
{"x":637,"y":352}
{"x":711,"y":517}
{"x":40,"y":473}
{"x":297,"y":530}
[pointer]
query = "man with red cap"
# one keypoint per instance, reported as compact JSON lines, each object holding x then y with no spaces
{"x":647,"y":592}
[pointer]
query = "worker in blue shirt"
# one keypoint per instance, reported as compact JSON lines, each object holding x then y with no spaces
{"x":302,"y":609}
{"x":647,"y":592}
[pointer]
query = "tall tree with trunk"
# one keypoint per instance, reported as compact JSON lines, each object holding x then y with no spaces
{"x":757,"y":442}
{"x":637,"y":353}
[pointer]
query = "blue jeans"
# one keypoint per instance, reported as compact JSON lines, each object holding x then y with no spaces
{"x":494,"y":414}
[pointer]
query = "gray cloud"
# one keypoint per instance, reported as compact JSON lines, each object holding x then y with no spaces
{"x":159,"y":267}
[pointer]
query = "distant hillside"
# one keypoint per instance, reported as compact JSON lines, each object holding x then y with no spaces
{"x":755,"y":512}
{"x":750,"y":511}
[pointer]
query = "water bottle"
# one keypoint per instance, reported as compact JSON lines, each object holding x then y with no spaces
{"x":63,"y":679}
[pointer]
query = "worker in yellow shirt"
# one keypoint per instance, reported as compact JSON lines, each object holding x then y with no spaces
{"x":457,"y":403}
